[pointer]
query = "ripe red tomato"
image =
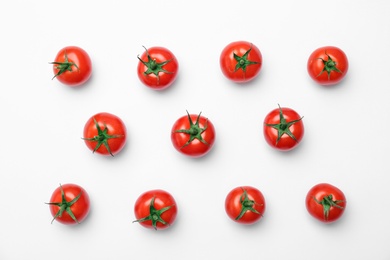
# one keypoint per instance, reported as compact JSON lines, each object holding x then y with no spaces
{"x":72,"y":66}
{"x":155,"y":209}
{"x":325,"y":202}
{"x":283,"y":128}
{"x":157,"y":68}
{"x":245,"y":204}
{"x":193,"y":135}
{"x":240,"y":61}
{"x":327,"y":65}
{"x":69,"y":204}
{"x":105,"y":134}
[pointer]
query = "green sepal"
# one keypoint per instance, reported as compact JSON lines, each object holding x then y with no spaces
{"x":154,"y":67}
{"x":243,"y":62}
{"x":195,"y":131}
{"x":65,"y":205}
{"x":327,"y":203}
{"x":329,"y":66}
{"x":284,"y":127}
{"x":155,"y":215}
{"x":64,"y":66}
{"x":102,"y":137}
{"x":247,"y":204}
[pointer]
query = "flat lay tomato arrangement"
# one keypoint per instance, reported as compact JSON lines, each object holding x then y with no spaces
{"x":194,"y":135}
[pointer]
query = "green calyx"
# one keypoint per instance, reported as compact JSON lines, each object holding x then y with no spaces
{"x":195,"y":131}
{"x":64,"y":66}
{"x":102,"y":137}
{"x":246,"y":204}
{"x":329,"y":66}
{"x":65,"y":206}
{"x":155,"y":215}
{"x":153,"y":66}
{"x":243,"y":62}
{"x":327,"y":203}
{"x":284,"y":127}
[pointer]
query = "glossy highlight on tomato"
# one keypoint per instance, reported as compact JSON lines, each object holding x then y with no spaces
{"x":325,"y":202}
{"x":72,"y":66}
{"x":245,"y":205}
{"x":327,"y":65}
{"x":157,"y":68}
{"x":105,"y":134}
{"x":155,"y":209}
{"x":193,"y":135}
{"x":240,"y":61}
{"x":69,"y":204}
{"x":283,"y":128}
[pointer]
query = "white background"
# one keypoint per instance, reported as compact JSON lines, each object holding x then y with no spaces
{"x":346,"y":140}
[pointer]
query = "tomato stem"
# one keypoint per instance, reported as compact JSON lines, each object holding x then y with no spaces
{"x":102,"y":137}
{"x":329,"y":66}
{"x":154,"y":67}
{"x":243,"y":62}
{"x":155,"y":215}
{"x":195,"y":131}
{"x":64,"y":206}
{"x":247,"y":204}
{"x":64,"y":66}
{"x":327,"y":203}
{"x":153,"y":64}
{"x":283,"y":127}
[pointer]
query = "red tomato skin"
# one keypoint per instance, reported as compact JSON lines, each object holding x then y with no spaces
{"x":315,"y":65}
{"x":80,"y":209}
{"x":315,"y":209}
{"x":228,"y":63}
{"x":115,"y":126}
{"x":81,"y":58}
{"x":162,"y":199}
{"x":285,"y":143}
{"x":160,"y":54}
{"x":196,"y":148}
{"x":233,"y":205}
